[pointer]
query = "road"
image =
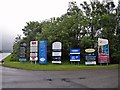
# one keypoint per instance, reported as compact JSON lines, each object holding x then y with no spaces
{"x":88,"y":78}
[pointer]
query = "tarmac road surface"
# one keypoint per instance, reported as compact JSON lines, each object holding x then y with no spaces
{"x":87,"y":78}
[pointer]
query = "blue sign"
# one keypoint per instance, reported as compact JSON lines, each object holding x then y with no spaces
{"x":75,"y":54}
{"x":75,"y":51}
{"x":90,"y":57}
{"x":75,"y":58}
{"x":106,"y":49}
{"x":43,"y":52}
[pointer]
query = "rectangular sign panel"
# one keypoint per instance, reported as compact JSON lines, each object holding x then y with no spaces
{"x":103,"y":51}
{"x":33,"y":49}
{"x":33,"y":56}
{"x":74,"y":54}
{"x":43,"y":52}
{"x":75,"y":51}
{"x":90,"y":57}
{"x":56,"y":53}
{"x":34,"y":43}
{"x":56,"y":59}
{"x":90,"y":62}
{"x":57,"y":45}
{"x":75,"y":58}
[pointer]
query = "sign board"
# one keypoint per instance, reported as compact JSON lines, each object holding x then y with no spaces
{"x":56,"y":53}
{"x":56,"y":59}
{"x":90,"y":62}
{"x":75,"y":54}
{"x":34,"y":43}
{"x":22,"y":52}
{"x":102,"y":42}
{"x":75,"y":58}
{"x":33,"y":56}
{"x":74,"y":51}
{"x":57,"y":45}
{"x":89,"y":50}
{"x":33,"y":51}
{"x":43,"y":52}
{"x":90,"y":56}
{"x":103,"y":51}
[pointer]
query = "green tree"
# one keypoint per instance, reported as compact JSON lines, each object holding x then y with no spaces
{"x":15,"y":53}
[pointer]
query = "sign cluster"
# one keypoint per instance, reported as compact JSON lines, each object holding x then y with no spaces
{"x":38,"y":52}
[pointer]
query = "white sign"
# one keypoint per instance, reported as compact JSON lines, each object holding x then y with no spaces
{"x":102,"y":42}
{"x":34,"y":43}
{"x":56,"y":53}
{"x":42,"y":59}
{"x":59,"y":62}
{"x":90,"y":62}
{"x":33,"y":56}
{"x":57,"y":45}
{"x":33,"y":49}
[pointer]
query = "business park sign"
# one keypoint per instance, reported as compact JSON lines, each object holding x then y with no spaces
{"x":22,"y":52}
{"x":103,"y":51}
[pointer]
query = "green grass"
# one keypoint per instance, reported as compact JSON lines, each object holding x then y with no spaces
{"x":49,"y":66}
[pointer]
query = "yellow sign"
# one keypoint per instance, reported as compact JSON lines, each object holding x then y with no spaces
{"x":90,"y":50}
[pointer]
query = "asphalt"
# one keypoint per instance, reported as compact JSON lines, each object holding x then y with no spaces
{"x":88,"y":78}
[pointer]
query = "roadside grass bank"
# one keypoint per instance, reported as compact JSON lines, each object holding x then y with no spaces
{"x":50,"y":66}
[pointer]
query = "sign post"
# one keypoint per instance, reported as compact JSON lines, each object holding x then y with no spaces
{"x":75,"y":55}
{"x":43,"y":52}
{"x":90,"y":57}
{"x":56,"y":53}
{"x":33,"y":51}
{"x":22,"y":53}
{"x":103,"y":51}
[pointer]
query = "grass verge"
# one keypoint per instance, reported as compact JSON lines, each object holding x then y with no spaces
{"x":49,"y":66}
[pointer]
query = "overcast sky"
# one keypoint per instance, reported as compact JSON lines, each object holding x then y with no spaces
{"x":15,"y":13}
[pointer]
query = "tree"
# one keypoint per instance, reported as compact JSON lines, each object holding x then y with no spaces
{"x":15,"y":53}
{"x":79,"y":27}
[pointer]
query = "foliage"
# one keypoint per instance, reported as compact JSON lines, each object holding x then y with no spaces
{"x":80,"y":27}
